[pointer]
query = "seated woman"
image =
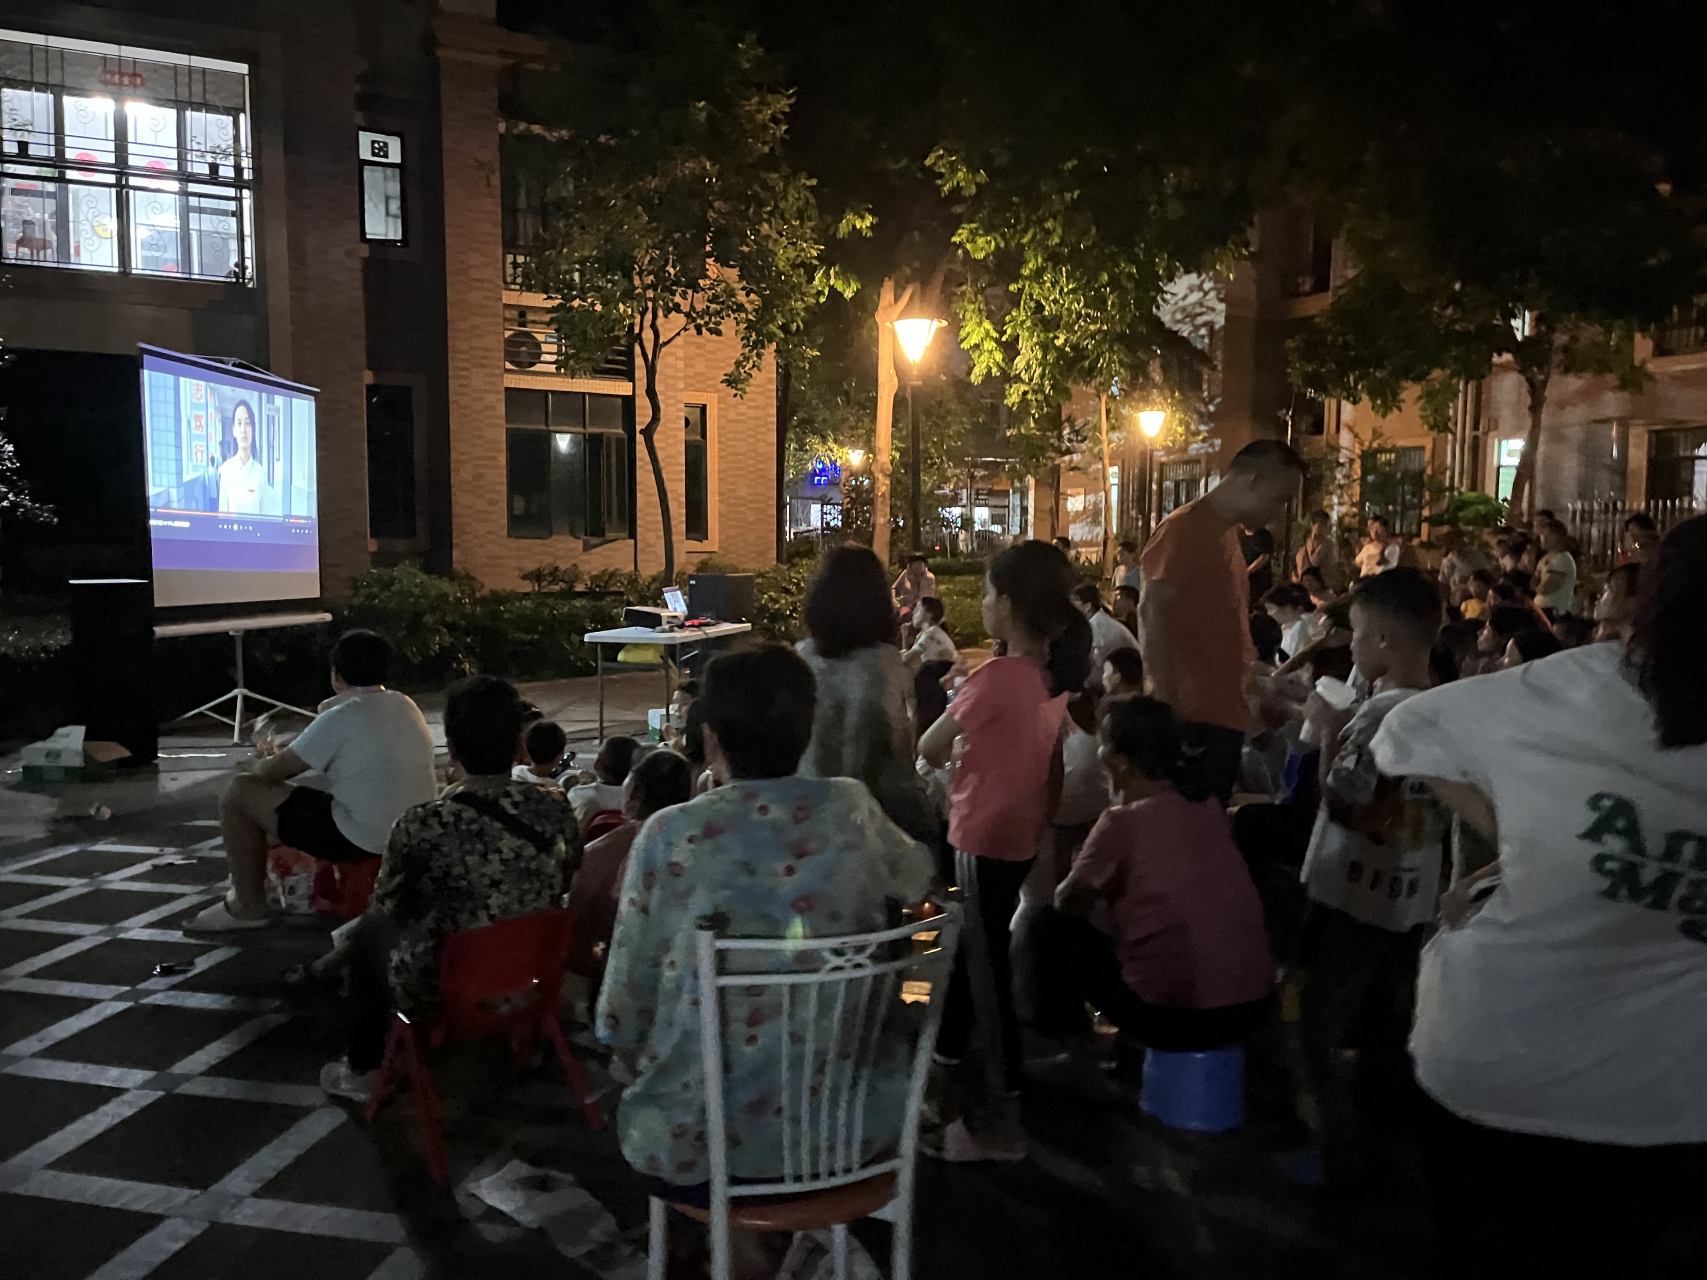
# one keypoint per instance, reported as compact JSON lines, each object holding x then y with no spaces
{"x":1188,"y":967}
{"x":658,"y":780}
{"x":774,"y":855}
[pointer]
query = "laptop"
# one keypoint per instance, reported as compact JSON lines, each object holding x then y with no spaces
{"x":675,"y":601}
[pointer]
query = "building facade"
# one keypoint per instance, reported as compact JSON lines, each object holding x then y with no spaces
{"x":315,"y":188}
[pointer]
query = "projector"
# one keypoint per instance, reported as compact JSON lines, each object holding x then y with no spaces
{"x":653,"y":618}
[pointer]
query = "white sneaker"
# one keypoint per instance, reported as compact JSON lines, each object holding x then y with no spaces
{"x":338,"y":1080}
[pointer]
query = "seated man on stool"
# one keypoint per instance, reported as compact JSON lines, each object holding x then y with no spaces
{"x":496,"y":848}
{"x":377,"y":754}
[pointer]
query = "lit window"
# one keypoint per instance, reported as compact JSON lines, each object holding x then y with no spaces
{"x":567,"y":464}
{"x":382,"y":186}
{"x":125,"y":160}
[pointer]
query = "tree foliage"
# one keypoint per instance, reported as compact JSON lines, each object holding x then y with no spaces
{"x":676,"y":214}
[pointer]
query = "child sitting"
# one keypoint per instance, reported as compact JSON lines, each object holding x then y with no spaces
{"x":1123,"y":673}
{"x":545,"y":746}
{"x":1481,"y":586}
{"x":602,"y":792}
{"x":1372,"y":872}
{"x":1292,"y":608}
{"x":1188,"y":967}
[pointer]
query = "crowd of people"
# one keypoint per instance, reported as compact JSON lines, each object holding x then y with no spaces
{"x":1462,"y":817}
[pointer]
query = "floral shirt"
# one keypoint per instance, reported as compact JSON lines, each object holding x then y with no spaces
{"x":450,"y":867}
{"x":781,"y":857}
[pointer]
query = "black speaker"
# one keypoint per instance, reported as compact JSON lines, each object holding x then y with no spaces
{"x":112,"y":663}
{"x":727,"y":597}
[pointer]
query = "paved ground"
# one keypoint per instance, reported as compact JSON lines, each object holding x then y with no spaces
{"x":170,"y":1126}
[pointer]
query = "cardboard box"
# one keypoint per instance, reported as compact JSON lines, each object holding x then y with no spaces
{"x":656,"y":719}
{"x":64,"y":757}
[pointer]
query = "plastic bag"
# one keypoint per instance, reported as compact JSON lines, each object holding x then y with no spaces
{"x":290,"y":880}
{"x":812,"y":1257}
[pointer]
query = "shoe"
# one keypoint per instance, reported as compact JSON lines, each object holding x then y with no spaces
{"x":961,"y":1146}
{"x":222,"y":917}
{"x":339,"y":1080}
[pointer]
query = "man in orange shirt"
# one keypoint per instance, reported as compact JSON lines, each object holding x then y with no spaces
{"x":1194,"y":614}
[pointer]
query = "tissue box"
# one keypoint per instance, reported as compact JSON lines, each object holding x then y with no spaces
{"x":656,"y":720}
{"x":65,"y":757}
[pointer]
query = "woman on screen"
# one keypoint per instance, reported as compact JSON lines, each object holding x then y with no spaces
{"x":240,"y":476}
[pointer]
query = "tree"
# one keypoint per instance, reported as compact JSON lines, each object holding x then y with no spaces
{"x":1066,"y":288}
{"x":675,"y":213}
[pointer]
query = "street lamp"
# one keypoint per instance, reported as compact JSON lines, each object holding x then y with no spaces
{"x":855,"y":457}
{"x":1150,"y":421}
{"x":914,"y":334}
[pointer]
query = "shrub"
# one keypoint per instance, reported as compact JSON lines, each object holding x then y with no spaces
{"x":963,"y":609}
{"x":552,"y":577}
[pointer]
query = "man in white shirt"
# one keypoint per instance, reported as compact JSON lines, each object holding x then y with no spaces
{"x":1381,"y":552}
{"x":376,"y":751}
{"x":1107,"y":634}
{"x":915,"y":583}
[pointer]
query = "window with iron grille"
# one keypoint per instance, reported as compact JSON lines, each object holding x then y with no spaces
{"x":1179,"y":483}
{"x":125,"y":160}
{"x":1394,"y":485}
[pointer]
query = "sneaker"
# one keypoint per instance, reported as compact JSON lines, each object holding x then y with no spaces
{"x":339,"y":1080}
{"x":223,"y":917}
{"x":962,"y":1146}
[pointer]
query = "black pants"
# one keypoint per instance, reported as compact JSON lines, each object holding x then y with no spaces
{"x":983,"y":959}
{"x":1213,"y":755}
{"x":1516,"y":1204}
{"x":370,"y":1007}
{"x":1077,"y":965}
{"x":1358,"y":995}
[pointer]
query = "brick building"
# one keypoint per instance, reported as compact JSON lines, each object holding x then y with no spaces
{"x":316,"y":188}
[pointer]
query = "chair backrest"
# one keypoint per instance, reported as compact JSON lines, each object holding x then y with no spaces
{"x":603,"y":823}
{"x":850,"y":1009}
{"x":494,"y":976}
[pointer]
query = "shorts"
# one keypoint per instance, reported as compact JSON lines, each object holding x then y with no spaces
{"x":305,"y":822}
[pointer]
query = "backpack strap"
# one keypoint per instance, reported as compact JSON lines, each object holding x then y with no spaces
{"x":487,"y":807}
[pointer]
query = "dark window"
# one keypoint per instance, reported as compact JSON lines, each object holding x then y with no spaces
{"x":1179,"y":483}
{"x":1394,"y":485}
{"x":1677,"y":466}
{"x":696,"y":464}
{"x":390,"y":462}
{"x":381,"y":157}
{"x":568,"y":464}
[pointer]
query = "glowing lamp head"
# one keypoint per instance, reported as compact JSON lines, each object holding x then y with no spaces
{"x":915,"y":336}
{"x":855,"y":457}
{"x":1151,"y":421}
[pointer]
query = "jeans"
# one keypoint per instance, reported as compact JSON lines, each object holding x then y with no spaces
{"x":1077,"y":966}
{"x":981,"y":991}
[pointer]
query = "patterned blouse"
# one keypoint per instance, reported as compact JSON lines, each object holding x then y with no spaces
{"x":780,"y":857}
{"x":448,"y":867}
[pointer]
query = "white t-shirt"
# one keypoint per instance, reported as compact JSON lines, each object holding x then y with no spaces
{"x":1107,"y":635}
{"x":1303,"y":633}
{"x":1575,"y":1003}
{"x":240,"y":486}
{"x":377,"y":752}
{"x":596,"y":797}
{"x":1374,"y":558}
{"x":933,"y":645}
{"x":1564,"y":597}
{"x":1394,"y":883}
{"x":1084,"y":781}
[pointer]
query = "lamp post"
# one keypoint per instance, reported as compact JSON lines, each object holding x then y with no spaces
{"x":914,"y":334}
{"x":1150,"y":421}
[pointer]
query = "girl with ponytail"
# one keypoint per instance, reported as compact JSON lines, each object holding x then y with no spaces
{"x":1007,"y":721}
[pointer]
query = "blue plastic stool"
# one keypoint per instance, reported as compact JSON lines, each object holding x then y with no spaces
{"x":1203,"y":1092}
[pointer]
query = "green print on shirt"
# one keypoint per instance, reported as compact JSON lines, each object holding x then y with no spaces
{"x":1635,"y":876}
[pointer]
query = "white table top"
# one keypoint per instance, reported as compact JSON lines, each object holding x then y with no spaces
{"x":687,"y":635}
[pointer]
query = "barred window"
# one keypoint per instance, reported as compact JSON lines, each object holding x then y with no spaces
{"x":124,"y":160}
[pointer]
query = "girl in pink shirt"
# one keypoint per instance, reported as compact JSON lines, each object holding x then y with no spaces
{"x":1006,"y":721}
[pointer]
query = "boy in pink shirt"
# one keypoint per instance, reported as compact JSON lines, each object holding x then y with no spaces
{"x":1007,"y":720}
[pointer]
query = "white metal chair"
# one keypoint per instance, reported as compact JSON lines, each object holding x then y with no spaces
{"x":841,"y":1006}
